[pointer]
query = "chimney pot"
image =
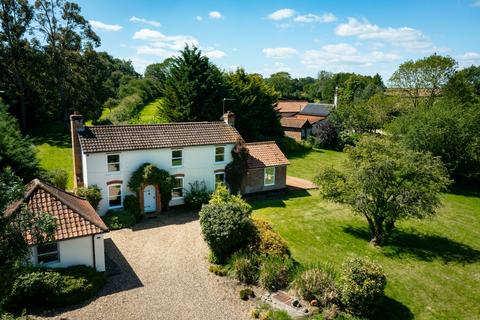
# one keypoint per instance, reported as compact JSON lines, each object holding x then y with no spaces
{"x":229,"y":118}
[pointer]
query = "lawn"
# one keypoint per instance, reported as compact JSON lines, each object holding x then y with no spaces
{"x":432,"y":266}
{"x":54,"y":149}
{"x":150,"y":113}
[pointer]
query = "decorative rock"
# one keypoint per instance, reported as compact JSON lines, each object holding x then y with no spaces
{"x":296,"y":303}
{"x":314,"y":303}
{"x":305,"y":310}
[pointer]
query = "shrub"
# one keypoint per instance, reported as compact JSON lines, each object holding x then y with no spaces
{"x":246,"y":293}
{"x":269,"y":242}
{"x":222,"y":195}
{"x":290,"y":145}
{"x":265,"y":312}
{"x":118,"y":219}
{"x":362,"y":285}
{"x":316,"y":283}
{"x":132,"y":205}
{"x":245,"y":267}
{"x":197,"y":195}
{"x":91,"y":193}
{"x":275,"y":273}
{"x":40,"y":288}
{"x":57,"y":178}
{"x":218,"y":270}
{"x":226,"y":227}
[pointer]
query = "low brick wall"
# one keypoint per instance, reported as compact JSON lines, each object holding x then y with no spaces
{"x":254,"y":180}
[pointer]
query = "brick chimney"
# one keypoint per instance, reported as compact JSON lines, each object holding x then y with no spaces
{"x":76,"y":126}
{"x":229,"y":118}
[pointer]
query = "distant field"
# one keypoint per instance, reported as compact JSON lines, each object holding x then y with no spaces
{"x":150,"y":113}
{"x":432,"y":266}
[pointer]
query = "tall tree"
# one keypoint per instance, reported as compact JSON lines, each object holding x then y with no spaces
{"x":15,"y":18}
{"x":255,"y":116}
{"x":386,"y":182}
{"x":193,"y":89}
{"x":464,"y":86}
{"x":66,"y":34}
{"x":424,"y":77}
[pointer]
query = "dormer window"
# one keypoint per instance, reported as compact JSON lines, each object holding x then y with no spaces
{"x":113,"y":162}
{"x":219,"y":154}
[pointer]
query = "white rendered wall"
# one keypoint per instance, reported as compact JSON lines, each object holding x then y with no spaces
{"x":198,"y":165}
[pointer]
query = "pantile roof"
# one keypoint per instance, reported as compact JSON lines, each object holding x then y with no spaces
{"x":294,"y":122}
{"x":75,"y":217}
{"x":290,"y":105}
{"x":265,"y":154}
{"x":311,"y":119}
{"x":155,"y":136}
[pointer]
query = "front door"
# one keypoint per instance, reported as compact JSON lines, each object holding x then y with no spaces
{"x":149,"y":203}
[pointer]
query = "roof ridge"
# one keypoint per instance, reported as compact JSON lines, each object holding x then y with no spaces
{"x":154,"y":124}
{"x":260,"y":142}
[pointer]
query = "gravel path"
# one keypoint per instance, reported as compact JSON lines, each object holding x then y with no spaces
{"x":164,"y":275}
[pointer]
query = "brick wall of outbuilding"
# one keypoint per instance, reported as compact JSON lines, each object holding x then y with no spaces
{"x":254,"y":180}
{"x":293,"y":133}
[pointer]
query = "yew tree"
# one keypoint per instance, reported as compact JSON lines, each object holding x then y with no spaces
{"x":385,"y":182}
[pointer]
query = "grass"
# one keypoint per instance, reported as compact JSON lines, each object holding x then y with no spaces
{"x":54,"y":149}
{"x":432,"y":265}
{"x":150,"y":113}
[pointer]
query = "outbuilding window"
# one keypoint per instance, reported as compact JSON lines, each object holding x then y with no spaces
{"x":113,"y":162}
{"x":219,"y":154}
{"x":47,"y":253}
{"x":177,"y":190}
{"x":269,"y":176}
{"x":177,"y":158}
{"x":115,"y":195}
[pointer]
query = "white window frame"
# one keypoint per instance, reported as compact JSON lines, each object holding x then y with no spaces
{"x":119,"y":165}
{"x":177,"y":158}
{"x":265,"y":184}
{"x":181,"y":187}
{"x":57,"y":252}
{"x":222,"y":154}
{"x":217,"y":174}
{"x":121,"y":195}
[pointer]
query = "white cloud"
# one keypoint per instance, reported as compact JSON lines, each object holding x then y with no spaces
{"x":97,"y":25}
{"x":145,"y":21}
{"x":404,"y":37}
{"x":199,"y":18}
{"x":469,"y":58}
{"x":215,"y":54}
{"x":160,"y":44}
{"x":215,"y":15}
{"x":310,"y":17}
{"x":279,"y":53}
{"x":343,"y":56}
{"x":281,"y":14}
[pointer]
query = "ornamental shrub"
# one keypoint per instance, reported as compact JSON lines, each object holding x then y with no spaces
{"x":132,"y":205}
{"x":222,"y":195}
{"x":218,"y":270}
{"x":275,"y":273}
{"x":118,"y":219}
{"x":197,"y":195}
{"x":316,"y":283}
{"x":268,"y":241}
{"x":91,"y":193}
{"x":45,"y":288}
{"x":362,"y":286}
{"x":245,"y":267}
{"x":57,"y":178}
{"x":246,"y":293}
{"x":226,"y":227}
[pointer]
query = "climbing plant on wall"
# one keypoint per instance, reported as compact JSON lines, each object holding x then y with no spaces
{"x":147,"y":174}
{"x":236,"y":170}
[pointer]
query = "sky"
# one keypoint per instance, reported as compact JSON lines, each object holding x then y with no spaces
{"x":299,"y":37}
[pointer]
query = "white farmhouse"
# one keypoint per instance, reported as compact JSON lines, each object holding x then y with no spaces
{"x":108,"y":155}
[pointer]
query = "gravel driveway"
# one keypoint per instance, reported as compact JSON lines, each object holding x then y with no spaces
{"x":164,"y":275}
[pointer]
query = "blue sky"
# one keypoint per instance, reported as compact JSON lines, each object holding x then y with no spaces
{"x":301,"y":37}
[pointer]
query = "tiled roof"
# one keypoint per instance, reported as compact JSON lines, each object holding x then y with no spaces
{"x":294,"y":122}
{"x":265,"y":154}
{"x":154,"y":136}
{"x":75,"y":217}
{"x":311,"y":119}
{"x":290,"y":105}
{"x":317,"y":109}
